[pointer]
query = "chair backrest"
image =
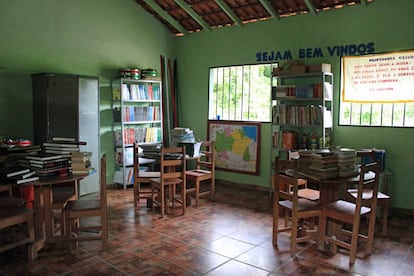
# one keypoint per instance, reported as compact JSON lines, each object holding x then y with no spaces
{"x":172,"y":163}
{"x":136,"y":161}
{"x":367,"y":189}
{"x":206,"y":159}
{"x":103,"y":186}
{"x":286,"y":180}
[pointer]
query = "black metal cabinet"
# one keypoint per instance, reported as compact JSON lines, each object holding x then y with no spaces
{"x":67,"y":105}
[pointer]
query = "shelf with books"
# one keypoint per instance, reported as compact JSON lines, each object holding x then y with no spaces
{"x":137,"y":114}
{"x":302,"y":112}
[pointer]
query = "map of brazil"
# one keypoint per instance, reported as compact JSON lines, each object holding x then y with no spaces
{"x":236,"y":146}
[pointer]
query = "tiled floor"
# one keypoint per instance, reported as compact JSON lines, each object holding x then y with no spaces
{"x":217,"y":238}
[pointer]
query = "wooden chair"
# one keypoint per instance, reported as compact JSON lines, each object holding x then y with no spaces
{"x":286,"y":197}
{"x":88,"y":208}
{"x":13,"y":217}
{"x":204,"y":172}
{"x":350,"y":213}
{"x":61,"y":196}
{"x":383,"y":199}
{"x":172,"y":179}
{"x":140,"y":177}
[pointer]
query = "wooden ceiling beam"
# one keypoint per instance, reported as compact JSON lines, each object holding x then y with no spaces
{"x":269,"y":8}
{"x":310,"y":6}
{"x":229,"y":12}
{"x":166,"y":16}
{"x":193,"y":14}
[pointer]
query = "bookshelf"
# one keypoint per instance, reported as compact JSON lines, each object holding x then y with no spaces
{"x":137,"y":113}
{"x":302,"y":112}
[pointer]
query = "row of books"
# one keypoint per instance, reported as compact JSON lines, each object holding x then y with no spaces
{"x":301,"y":115}
{"x":297,"y":91}
{"x":141,"y":91}
{"x":137,"y":113}
{"x":137,"y":135}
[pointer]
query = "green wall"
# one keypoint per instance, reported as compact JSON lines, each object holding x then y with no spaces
{"x":386,"y":23}
{"x":87,"y":37}
{"x":97,"y":37}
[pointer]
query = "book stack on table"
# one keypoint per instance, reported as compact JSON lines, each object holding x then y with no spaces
{"x":81,"y":163}
{"x":324,"y":165}
{"x":17,"y":174}
{"x":48,"y":165}
{"x":346,"y":162}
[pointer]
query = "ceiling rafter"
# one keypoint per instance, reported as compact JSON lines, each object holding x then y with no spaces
{"x":269,"y":8}
{"x":310,"y":6}
{"x":188,"y":9}
{"x":166,"y":16}
{"x":183,"y":17}
{"x":229,"y":12}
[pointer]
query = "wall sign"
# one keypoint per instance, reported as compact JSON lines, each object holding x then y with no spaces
{"x":318,"y":52}
{"x":378,"y":78}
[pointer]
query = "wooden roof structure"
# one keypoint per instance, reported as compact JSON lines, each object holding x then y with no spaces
{"x":183,"y":17}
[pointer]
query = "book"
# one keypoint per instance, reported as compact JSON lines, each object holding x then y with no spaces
{"x":24,"y":180}
{"x":61,"y":145}
{"x":64,"y":139}
{"x":44,"y":157}
{"x":8,"y":172}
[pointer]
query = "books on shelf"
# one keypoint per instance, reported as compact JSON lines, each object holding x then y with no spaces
{"x":137,"y":135}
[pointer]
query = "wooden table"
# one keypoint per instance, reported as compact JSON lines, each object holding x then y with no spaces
{"x":43,"y":201}
{"x":329,"y":188}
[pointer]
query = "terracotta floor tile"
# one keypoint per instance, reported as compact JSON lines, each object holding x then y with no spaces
{"x":231,"y":236}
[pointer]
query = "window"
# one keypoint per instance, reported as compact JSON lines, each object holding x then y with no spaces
{"x":240,"y":93}
{"x":376,"y":90}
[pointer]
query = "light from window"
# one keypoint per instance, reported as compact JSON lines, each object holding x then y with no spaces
{"x":376,"y":90}
{"x":240,"y":93}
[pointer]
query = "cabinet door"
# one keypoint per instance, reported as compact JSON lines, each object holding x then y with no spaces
{"x":55,"y":99}
{"x":89,"y":129}
{"x":63,"y":93}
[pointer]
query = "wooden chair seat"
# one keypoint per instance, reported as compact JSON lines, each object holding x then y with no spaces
{"x":310,"y":194}
{"x":350,"y":213}
{"x":61,"y":196}
{"x":303,"y":204}
{"x":141,"y":177}
{"x":76,"y":210}
{"x":300,"y":213}
{"x":172,"y":180}
{"x":347,"y":209}
{"x":203,"y":174}
{"x":382,"y":200}
{"x":12,"y":217}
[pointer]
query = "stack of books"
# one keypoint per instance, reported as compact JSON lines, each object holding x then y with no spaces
{"x":81,"y":163}
{"x":17,"y":174}
{"x":48,"y":165}
{"x":324,"y":165}
{"x":63,"y":146}
{"x":346,"y":162}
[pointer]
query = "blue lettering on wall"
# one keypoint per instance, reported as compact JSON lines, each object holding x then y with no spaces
{"x":273,"y":56}
{"x":336,"y":50}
